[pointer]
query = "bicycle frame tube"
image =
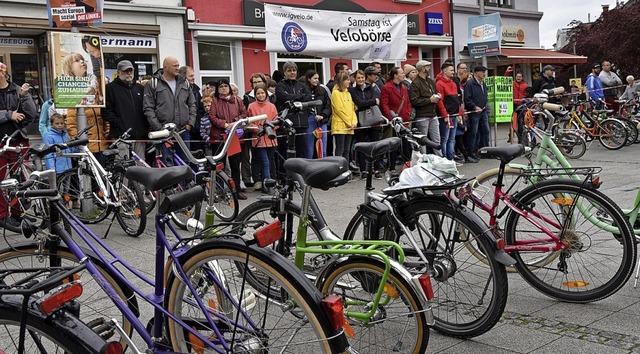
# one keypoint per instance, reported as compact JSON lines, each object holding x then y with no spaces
{"x":98,"y":171}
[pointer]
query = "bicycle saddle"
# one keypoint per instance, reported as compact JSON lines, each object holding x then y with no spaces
{"x":378,"y":148}
{"x":322,"y":173}
{"x":503,"y":153}
{"x":158,"y":178}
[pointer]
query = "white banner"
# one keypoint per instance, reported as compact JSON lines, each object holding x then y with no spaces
{"x":333,"y":34}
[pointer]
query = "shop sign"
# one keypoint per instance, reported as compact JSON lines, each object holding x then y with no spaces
{"x":413,"y":24}
{"x":17,"y":42}
{"x":77,"y":75}
{"x":75,"y":13}
{"x":484,"y":35}
{"x":500,"y":98}
{"x":336,"y":34}
{"x":435,"y":24}
{"x":512,"y":35}
{"x":128,"y":42}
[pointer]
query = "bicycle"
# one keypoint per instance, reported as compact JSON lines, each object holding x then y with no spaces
{"x":197,"y":266}
{"x":611,"y":132}
{"x":378,"y":208}
{"x":99,"y":190}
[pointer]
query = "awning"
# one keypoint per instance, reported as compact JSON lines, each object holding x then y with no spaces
{"x":534,"y":55}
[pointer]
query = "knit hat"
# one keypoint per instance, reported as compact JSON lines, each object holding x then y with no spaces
{"x":421,"y":64}
{"x":408,"y":68}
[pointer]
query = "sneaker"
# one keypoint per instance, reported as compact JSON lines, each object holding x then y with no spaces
{"x":249,"y":183}
{"x":471,"y":159}
{"x":242,"y":196}
{"x":243,"y":187}
{"x":10,"y":224}
{"x":458,"y":158}
{"x":377,"y":175}
{"x":257,"y":186}
{"x":354,"y":166}
{"x":474,"y":156}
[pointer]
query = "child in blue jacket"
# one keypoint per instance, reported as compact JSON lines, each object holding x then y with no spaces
{"x":57,"y":134}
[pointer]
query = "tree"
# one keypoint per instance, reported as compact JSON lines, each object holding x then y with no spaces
{"x":613,"y":36}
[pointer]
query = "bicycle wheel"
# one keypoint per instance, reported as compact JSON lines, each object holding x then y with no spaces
{"x":632,"y":131}
{"x":595,"y":263}
{"x":247,"y":320}
{"x":61,"y":333}
{"x":95,"y":306}
{"x":484,"y":189}
{"x":572,"y":145}
{"x":149,"y":200}
{"x":398,"y":325}
{"x":613,"y":134}
{"x":131,"y":215}
{"x":225,"y":201}
{"x":182,"y":216}
{"x":93,"y":207}
{"x":470,"y":290}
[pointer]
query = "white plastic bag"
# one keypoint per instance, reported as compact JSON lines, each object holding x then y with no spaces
{"x":428,"y":170}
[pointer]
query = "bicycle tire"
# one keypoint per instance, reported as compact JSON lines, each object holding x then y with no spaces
{"x":567,"y":280}
{"x":402,"y":325}
{"x":632,"y":131}
{"x":69,"y":187}
{"x":487,"y":179}
{"x":301,"y":315}
{"x":149,"y":200}
{"x":181,"y":217}
{"x":93,"y":298}
{"x":571,"y":145}
{"x":225,"y":204}
{"x":612,"y":134}
{"x":61,"y":332}
{"x":131,"y":215}
{"x":565,"y":123}
{"x":476,"y":315}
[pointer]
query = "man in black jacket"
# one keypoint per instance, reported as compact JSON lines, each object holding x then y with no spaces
{"x":475,"y":103}
{"x":290,"y":89}
{"x":124,"y":109}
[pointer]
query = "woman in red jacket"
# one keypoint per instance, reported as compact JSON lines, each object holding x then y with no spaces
{"x":519,"y":85}
{"x":225,"y":110}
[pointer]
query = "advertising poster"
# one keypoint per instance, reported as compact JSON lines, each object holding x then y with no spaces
{"x":336,"y":34}
{"x":500,"y":98}
{"x":74,"y":13}
{"x":77,"y":70}
{"x":575,"y":85}
{"x":484,"y":35}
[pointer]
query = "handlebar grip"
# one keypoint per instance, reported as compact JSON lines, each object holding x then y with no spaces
{"x":311,"y":104}
{"x":555,"y":91}
{"x":552,"y":107}
{"x":164,"y":133}
{"x":268,"y":130}
{"x":12,"y":148}
{"x":72,"y":143}
{"x":424,"y":141}
{"x":34,"y":193}
{"x":256,"y":118}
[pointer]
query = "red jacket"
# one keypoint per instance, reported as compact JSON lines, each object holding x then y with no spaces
{"x":264,"y":107}
{"x":224,"y":111}
{"x":518,"y":91}
{"x":391,"y":98}
{"x":449,"y":104}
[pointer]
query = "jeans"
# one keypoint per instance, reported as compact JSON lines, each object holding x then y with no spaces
{"x":343,"y":145}
{"x":448,"y":138}
{"x":266,"y":157}
{"x":167,"y":157}
{"x":430,"y":127}
{"x":478,"y":125}
{"x":310,"y":139}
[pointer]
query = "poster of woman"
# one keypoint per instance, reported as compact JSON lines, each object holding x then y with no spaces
{"x":76,"y":70}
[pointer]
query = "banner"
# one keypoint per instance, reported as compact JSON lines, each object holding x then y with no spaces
{"x":77,"y":70}
{"x":336,"y":34}
{"x":484,"y":35}
{"x":78,"y":13}
{"x":500,"y":98}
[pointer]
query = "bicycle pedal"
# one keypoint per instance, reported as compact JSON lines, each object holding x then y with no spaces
{"x":103,"y":328}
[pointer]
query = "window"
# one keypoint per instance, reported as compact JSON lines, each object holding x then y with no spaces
{"x":304,"y":63}
{"x":215,"y":61}
{"x":499,"y":3}
{"x":386,"y":67}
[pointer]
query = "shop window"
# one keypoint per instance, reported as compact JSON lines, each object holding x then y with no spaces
{"x":215,"y":61}
{"x":499,"y":3}
{"x":143,"y":64}
{"x":304,"y":63}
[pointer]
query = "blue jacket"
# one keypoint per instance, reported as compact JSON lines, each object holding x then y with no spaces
{"x":594,"y":87}
{"x":60,"y":164}
{"x":45,"y":119}
{"x":475,"y":95}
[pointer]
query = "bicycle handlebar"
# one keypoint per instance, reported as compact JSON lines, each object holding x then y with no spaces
{"x":419,"y":139}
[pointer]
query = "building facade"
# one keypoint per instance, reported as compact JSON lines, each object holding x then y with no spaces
{"x":228,"y":41}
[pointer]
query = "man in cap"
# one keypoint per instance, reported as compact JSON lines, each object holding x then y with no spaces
{"x":290,"y":89}
{"x":378,"y":67}
{"x":424,"y":98}
{"x":475,"y":104}
{"x":594,"y":86}
{"x":17,"y":109}
{"x":372,"y":76}
{"x":124,"y":109}
{"x":546,"y":80}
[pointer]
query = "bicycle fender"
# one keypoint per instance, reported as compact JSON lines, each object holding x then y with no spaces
{"x":401,"y":271}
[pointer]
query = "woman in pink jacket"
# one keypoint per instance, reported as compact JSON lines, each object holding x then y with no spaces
{"x":265,"y":147}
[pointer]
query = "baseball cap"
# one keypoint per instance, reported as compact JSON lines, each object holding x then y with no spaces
{"x":548,"y":67}
{"x":479,"y":68}
{"x":596,"y":65}
{"x":421,"y":64}
{"x":371,"y":70}
{"x":124,"y":65}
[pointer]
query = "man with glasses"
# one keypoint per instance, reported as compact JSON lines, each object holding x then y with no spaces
{"x":124,"y":109}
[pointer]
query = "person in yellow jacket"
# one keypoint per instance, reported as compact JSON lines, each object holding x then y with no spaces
{"x":97,"y":134}
{"x":343,"y":119}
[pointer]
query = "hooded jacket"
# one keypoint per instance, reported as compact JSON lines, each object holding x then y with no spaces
{"x":344,"y":112}
{"x":518,"y":91}
{"x":124,"y":109}
{"x":162,"y":106}
{"x":60,"y":164}
{"x":449,"y":104}
{"x":22,"y":104}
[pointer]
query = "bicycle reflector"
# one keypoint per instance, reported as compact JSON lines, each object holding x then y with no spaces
{"x":59,"y":296}
{"x":424,"y":281}
{"x":333,"y":307}
{"x":111,"y":348}
{"x":268,"y":234}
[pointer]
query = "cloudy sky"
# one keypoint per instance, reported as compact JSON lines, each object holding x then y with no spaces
{"x":558,"y":14}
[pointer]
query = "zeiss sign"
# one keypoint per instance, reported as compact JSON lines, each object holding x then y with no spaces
{"x":435,"y":24}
